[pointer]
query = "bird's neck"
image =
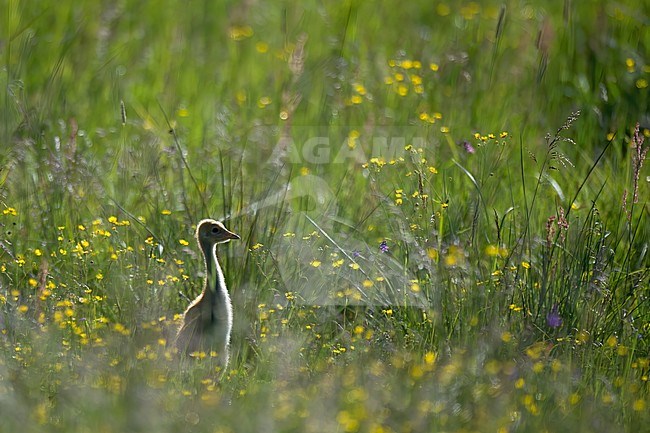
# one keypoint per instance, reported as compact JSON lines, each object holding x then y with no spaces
{"x":215,"y":286}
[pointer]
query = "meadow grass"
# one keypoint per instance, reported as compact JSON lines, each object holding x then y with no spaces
{"x":443,"y":211}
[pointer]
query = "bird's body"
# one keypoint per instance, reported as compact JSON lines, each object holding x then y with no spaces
{"x":207,"y":321}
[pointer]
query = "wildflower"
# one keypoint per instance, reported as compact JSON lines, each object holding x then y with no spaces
{"x":261,"y":47}
{"x":121,"y":329}
{"x":359,"y":88}
{"x":553,"y":319}
{"x":398,"y":196}
{"x":432,"y":253}
{"x":556,"y":366}
{"x":264,"y":101}
{"x":496,"y":251}
{"x":468,"y":147}
{"x":455,"y":256}
{"x":612,"y":341}
{"x":383,"y":246}
{"x":639,"y":405}
{"x":582,"y":337}
{"x":430,"y":358}
{"x":238,"y":33}
{"x":198,"y":355}
{"x":356,"y":99}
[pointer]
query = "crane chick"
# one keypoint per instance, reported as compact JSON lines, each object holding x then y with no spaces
{"x":207,"y":321}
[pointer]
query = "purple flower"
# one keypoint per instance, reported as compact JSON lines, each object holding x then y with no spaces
{"x":383,"y":246}
{"x":468,"y":147}
{"x":553,"y":319}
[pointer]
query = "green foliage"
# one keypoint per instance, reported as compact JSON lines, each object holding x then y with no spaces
{"x":443,"y":211}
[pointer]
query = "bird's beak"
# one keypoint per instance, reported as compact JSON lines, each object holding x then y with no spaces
{"x":232,"y":235}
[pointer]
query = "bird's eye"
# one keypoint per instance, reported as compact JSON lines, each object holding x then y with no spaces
{"x":215,"y":230}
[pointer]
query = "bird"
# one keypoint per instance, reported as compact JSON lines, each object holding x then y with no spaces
{"x":207,"y":321}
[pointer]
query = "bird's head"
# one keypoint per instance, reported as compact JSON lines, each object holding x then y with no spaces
{"x":214,"y":232}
